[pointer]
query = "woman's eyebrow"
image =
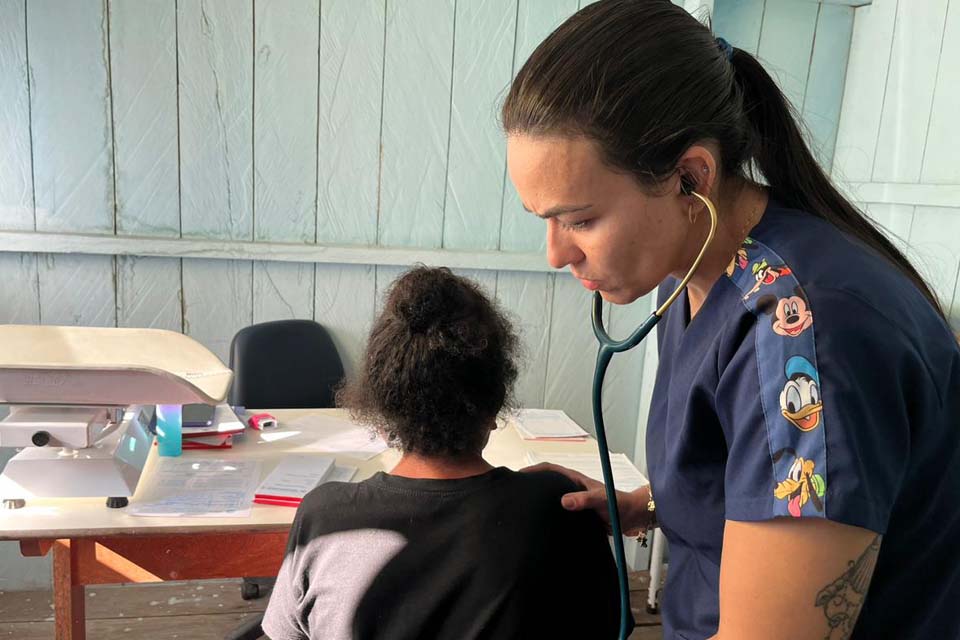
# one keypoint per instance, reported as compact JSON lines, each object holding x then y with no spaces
{"x":557,"y":210}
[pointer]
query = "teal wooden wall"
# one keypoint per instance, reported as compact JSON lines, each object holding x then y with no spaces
{"x":200,"y":165}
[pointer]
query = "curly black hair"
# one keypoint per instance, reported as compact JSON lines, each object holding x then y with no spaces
{"x":440,"y":363}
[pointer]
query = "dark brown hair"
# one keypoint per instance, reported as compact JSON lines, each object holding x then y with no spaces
{"x":646,"y":81}
{"x":439,"y":365}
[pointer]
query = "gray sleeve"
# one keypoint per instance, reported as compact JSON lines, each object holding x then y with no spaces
{"x":284,"y":619}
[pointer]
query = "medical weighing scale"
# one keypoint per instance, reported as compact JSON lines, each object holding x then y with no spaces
{"x":80,"y":403}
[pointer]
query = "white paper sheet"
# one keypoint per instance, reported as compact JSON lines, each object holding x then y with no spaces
{"x":199,"y":487}
{"x":332,"y":434}
{"x":295,"y":476}
{"x":535,"y":424}
{"x":626,"y":477}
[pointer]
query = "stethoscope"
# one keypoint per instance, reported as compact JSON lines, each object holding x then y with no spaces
{"x":608,"y":347}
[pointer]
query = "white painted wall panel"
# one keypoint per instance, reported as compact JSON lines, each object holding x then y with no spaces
{"x":911,"y":80}
{"x":16,"y":170}
{"x":143,"y":62}
{"x":345,"y":297}
{"x":536,"y":19}
{"x":786,"y":44}
{"x":77,"y":290}
{"x":70,"y":115}
{"x":895,"y":220}
{"x":215,"y":100}
{"x":148,"y":293}
{"x":572,"y":351}
{"x":19,"y":289}
{"x":739,"y":21}
{"x":935,"y":251}
{"x":282,"y":291}
{"x":528,"y":298}
{"x":863,"y":97}
{"x":482,"y":59}
{"x":825,"y":81}
{"x":940,"y":164}
{"x":416,"y":114}
{"x":217,"y":301}
{"x":350,"y":101}
{"x":284,"y":116}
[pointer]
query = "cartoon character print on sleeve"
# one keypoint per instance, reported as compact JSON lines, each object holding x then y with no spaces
{"x":801,"y":485}
{"x":765,"y":275}
{"x":791,"y":315}
{"x":740,"y":258}
{"x":800,"y":398}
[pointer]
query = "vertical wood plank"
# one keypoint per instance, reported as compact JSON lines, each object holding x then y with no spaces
{"x":935,"y":252}
{"x":739,"y":21}
{"x":345,"y":297}
{"x":19,"y":289}
{"x":786,"y":42}
{"x":70,"y":115}
{"x":572,"y":351}
{"x":621,"y":391}
{"x":527,"y":298}
{"x":215,"y":101}
{"x":285,"y":120}
{"x":482,"y":60}
{"x":939,"y":160}
{"x":864,"y":90}
{"x":282,"y":291}
{"x":384,"y":277}
{"x":70,"y":607}
{"x":148,"y":293}
{"x":824,"y":94}
{"x":348,"y":138}
{"x":77,"y":290}
{"x":143,"y":36}
{"x":536,"y":19}
{"x":217,"y":301}
{"x":911,"y":81}
{"x":16,"y":171}
{"x":894,"y":219}
{"x":419,"y":53}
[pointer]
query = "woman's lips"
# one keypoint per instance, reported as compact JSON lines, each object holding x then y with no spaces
{"x":592,"y":285}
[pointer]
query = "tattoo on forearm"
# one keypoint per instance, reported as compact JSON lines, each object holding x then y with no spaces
{"x":842,"y":599}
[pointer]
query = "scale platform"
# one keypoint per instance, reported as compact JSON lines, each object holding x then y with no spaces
{"x":82,"y":400}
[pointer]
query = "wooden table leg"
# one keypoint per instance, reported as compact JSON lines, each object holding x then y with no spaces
{"x":68,"y":596}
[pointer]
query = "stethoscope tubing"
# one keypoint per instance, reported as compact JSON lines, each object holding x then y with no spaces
{"x":609,"y":346}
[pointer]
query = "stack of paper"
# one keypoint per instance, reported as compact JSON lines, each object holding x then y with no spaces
{"x":333,"y":434}
{"x":547,"y":424}
{"x":626,"y":477}
{"x":296,"y":475}
{"x":199,"y":487}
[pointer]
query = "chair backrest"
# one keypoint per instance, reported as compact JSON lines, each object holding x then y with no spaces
{"x":284,"y":364}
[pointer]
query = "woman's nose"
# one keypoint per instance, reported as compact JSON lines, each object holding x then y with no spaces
{"x":561,"y":249}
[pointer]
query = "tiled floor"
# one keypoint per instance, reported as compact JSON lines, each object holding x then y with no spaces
{"x":185,"y":611}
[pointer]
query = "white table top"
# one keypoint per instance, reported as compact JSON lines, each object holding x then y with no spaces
{"x":80,"y":517}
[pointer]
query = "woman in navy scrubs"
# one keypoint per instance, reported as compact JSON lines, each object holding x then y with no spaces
{"x":803,"y":442}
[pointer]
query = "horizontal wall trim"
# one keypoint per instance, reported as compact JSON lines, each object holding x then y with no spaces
{"x":924,"y":195}
{"x":41,"y":242}
{"x":848,"y":3}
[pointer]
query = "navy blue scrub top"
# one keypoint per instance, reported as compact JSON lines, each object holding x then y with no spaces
{"x":816,"y":381}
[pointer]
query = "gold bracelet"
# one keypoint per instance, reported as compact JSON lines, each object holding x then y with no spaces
{"x":652,"y":510}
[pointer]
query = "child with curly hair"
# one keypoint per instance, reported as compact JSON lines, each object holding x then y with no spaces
{"x":444,"y":545}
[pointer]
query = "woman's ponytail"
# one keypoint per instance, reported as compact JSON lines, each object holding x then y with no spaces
{"x":794,"y":176}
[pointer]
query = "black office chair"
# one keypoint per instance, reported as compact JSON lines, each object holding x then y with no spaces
{"x":285,"y":364}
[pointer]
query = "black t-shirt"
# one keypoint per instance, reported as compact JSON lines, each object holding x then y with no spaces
{"x":490,"y":556}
